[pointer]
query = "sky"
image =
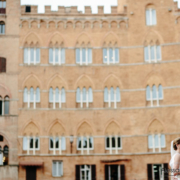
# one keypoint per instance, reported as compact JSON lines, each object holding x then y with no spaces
{"x":80,"y":3}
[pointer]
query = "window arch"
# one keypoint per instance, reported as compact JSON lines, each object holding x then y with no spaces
{"x":2,"y":27}
{"x":84,"y":96}
{"x":31,"y":96}
{"x":57,"y":96}
{"x":112,"y":95}
{"x":151,"y":16}
{"x":154,"y":94}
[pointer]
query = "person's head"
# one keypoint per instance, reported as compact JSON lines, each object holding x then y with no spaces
{"x":176,"y":143}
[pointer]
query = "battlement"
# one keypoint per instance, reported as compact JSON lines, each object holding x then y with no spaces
{"x":62,"y":10}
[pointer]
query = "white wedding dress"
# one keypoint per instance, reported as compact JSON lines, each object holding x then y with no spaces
{"x":171,"y":163}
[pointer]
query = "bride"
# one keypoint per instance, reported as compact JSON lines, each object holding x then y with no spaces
{"x":175,"y":159}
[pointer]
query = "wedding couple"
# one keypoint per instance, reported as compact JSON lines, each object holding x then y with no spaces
{"x":175,"y":159}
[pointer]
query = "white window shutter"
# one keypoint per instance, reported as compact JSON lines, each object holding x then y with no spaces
{"x":105,"y":94}
{"x":158,"y":52}
{"x":154,"y":92}
{"x":148,"y":93}
{"x":112,"y":94}
{"x":56,"y":55}
{"x":163,"y":143}
{"x":78,"y":98}
{"x":116,"y":55}
{"x":105,"y":55}
{"x":111,"y":55}
{"x":61,"y":168}
{"x":153,"y":17}
{"x":160,"y":92}
{"x":83,"y":55}
{"x":147,"y":17}
{"x":54,"y":168}
{"x":156,"y":138}
{"x":38,"y":55}
{"x":152,"y":52}
{"x":150,"y":141}
{"x":84,"y":94}
{"x":32,"y":55}
{"x":31,"y":94}
{"x":146,"y":54}
{"x":25,"y":95}
{"x":77,"y":55}
{"x":25,"y":143}
{"x":63,"y":56}
{"x":57,"y":95}
{"x":63,"y":143}
{"x":25,"y":55}
{"x":118,"y":95}
{"x":90,"y":95}
{"x":63,"y":95}
{"x":51,"y":95}
{"x":37,"y":94}
{"x":89,"y":55}
{"x":50,"y":55}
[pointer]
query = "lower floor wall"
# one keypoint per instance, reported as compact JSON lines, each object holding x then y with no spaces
{"x":112,"y":167}
{"x":9,"y":172}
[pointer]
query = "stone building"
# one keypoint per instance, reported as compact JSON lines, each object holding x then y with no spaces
{"x":9,"y":53}
{"x":98,"y":94}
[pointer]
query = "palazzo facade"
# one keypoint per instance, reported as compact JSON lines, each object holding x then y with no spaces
{"x":91,"y":96}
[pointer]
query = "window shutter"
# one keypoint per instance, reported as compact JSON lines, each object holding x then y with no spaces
{"x":149,"y":171}
{"x":50,"y":95}
{"x":78,"y":95}
{"x":25,"y":95}
{"x":37,"y":94}
{"x":116,"y":55}
{"x":63,"y":56}
{"x":148,"y":93}
{"x":122,"y":172}
{"x":150,"y":144}
{"x":84,"y":94}
{"x":118,"y":96}
{"x":32,"y":55}
{"x":146,"y":54}
{"x":106,"y":172}
{"x":156,"y":137}
{"x":78,"y":55}
{"x":147,"y":17}
{"x":50,"y":55}
{"x":31,"y":95}
{"x":89,"y":55}
{"x":83,"y":55}
{"x":77,"y":172}
{"x":153,"y":17}
{"x":56,"y":55}
{"x":163,"y":144}
{"x":166,"y":175}
{"x":152,"y":52}
{"x":160,"y":90}
{"x":3,"y":63}
{"x":93,"y":172}
{"x":25,"y":55}
{"x":24,"y":143}
{"x":57,"y":95}
{"x":90,"y":95}
{"x":37,"y":55}
{"x":154,"y":92}
{"x":112,"y":94}
{"x":158,"y":52}
{"x":105,"y":94}
{"x":54,"y":168}
{"x":63,"y":95}
{"x":104,"y":55}
{"x":111,"y":55}
{"x":63,"y":143}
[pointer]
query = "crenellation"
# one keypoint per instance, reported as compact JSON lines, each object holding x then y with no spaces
{"x":113,"y":9}
{"x":61,"y":9}
{"x":100,"y":9}
{"x":88,"y":10}
{"x":48,"y":10}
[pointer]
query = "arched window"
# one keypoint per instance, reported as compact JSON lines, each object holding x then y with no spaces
{"x":37,"y":94}
{"x":105,"y":94}
{"x":83,"y":56}
{"x":57,"y":95}
{"x":78,"y":95}
{"x":32,"y":55}
{"x":110,"y":55}
{"x":84,"y":94}
{"x":160,"y":92}
{"x":85,"y":143}
{"x":2,"y":5}
{"x":56,"y":56}
{"x":2,"y":27}
{"x":154,"y":92}
{"x":112,"y":94}
{"x":32,"y":94}
{"x":6,"y":105}
{"x":90,"y":95}
{"x":150,"y":17}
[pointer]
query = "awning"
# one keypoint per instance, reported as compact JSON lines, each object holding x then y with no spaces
{"x":114,"y":160}
{"x":31,"y":163}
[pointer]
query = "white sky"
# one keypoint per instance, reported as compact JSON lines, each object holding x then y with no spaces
{"x":80,"y":3}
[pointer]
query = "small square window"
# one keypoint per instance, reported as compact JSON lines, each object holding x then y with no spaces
{"x":28,"y":8}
